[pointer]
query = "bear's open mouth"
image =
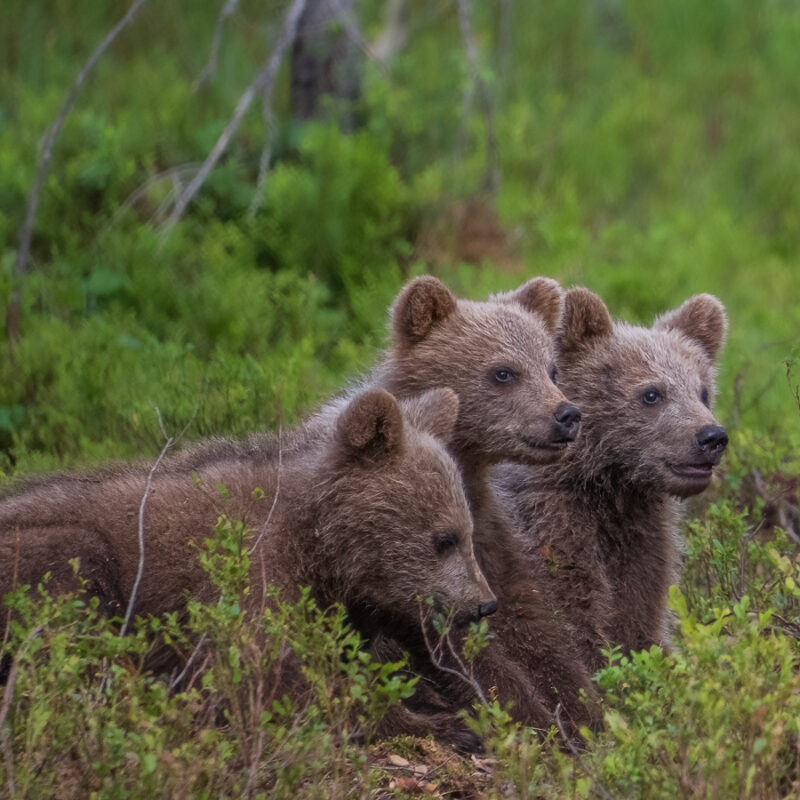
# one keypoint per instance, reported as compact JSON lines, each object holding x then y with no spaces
{"x":701,"y":471}
{"x":535,"y":444}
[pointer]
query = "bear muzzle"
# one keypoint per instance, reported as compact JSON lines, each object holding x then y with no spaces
{"x":568,"y":423}
{"x":711,"y":441}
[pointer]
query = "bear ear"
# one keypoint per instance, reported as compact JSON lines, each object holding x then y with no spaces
{"x":434,"y":412}
{"x":585,"y":317}
{"x":701,"y":318}
{"x":371,"y":425}
{"x":423,"y":303}
{"x":542,"y":296}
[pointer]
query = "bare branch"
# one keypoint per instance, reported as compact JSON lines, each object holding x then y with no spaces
{"x":344,"y":15}
{"x":599,"y":788}
{"x":264,"y":79}
{"x":140,"y":571}
{"x":275,"y":497}
{"x":23,"y":254}
{"x":393,"y":37}
{"x":481,"y":90}
{"x":437,"y":662}
{"x":266,"y":153}
{"x":211,"y":65}
{"x":354,"y":34}
{"x":177,"y":175}
{"x":182,"y":674}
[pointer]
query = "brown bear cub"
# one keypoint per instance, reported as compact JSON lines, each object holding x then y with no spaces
{"x":344,"y":513}
{"x":499,"y":358}
{"x":603,"y":522}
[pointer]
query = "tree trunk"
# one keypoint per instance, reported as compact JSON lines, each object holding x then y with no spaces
{"x":324,"y":62}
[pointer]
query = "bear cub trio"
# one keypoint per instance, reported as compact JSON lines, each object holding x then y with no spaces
{"x":522,"y":456}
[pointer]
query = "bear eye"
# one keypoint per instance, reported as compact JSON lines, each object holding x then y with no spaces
{"x":553,"y":374}
{"x":704,"y":397}
{"x":443,"y":542}
{"x":651,"y":396}
{"x":504,"y":375}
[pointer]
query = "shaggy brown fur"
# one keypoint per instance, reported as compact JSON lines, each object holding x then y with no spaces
{"x":370,"y":513}
{"x":602,"y":523}
{"x":498,"y":356}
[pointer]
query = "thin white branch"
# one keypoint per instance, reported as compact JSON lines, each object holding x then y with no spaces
{"x":140,"y":570}
{"x":601,"y":790}
{"x":437,"y":662}
{"x":353,"y":32}
{"x":170,"y":441}
{"x":264,"y":79}
{"x":275,"y":497}
{"x":348,"y":21}
{"x":392,"y":39}
{"x":23,"y":254}
{"x":174,"y":174}
{"x":266,"y":153}
{"x":211,"y":65}
{"x":182,"y":674}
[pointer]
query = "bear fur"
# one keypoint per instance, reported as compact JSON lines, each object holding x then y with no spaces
{"x":603,"y":522}
{"x":344,"y":512}
{"x":498,"y":356}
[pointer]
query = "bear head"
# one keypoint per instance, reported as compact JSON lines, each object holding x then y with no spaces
{"x":497,"y":355}
{"x":397,"y":524}
{"x":646,"y":393}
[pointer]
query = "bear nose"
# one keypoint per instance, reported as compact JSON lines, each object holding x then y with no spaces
{"x":712,"y":439}
{"x":568,"y":420}
{"x":484,"y":609}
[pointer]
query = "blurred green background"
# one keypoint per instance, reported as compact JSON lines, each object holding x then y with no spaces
{"x":645,"y":149}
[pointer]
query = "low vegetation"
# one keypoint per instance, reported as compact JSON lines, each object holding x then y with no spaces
{"x":645,"y":150}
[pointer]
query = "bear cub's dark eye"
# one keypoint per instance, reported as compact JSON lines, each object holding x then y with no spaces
{"x":553,"y":374}
{"x":704,"y":397}
{"x":444,"y":542}
{"x":651,"y":396}
{"x":504,"y":375}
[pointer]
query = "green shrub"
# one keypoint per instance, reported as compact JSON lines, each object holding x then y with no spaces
{"x":84,"y":717}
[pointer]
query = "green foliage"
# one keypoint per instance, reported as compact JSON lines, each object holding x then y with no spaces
{"x":646,"y":150}
{"x":718,"y":717}
{"x":274,"y":700}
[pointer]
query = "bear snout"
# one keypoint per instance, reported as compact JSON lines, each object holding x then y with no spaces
{"x":568,"y":422}
{"x":712,"y":440}
{"x":485,"y":609}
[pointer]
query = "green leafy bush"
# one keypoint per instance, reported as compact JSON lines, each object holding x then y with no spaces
{"x":240,"y":719}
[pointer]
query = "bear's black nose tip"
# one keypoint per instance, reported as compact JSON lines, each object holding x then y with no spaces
{"x":568,"y":421}
{"x":485,"y":609}
{"x":712,"y":438}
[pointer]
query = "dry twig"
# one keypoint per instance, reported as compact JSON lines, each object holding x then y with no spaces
{"x":211,"y":65}
{"x":170,"y":441}
{"x":140,"y":569}
{"x":434,"y":651}
{"x":263,"y":82}
{"x":275,"y":496}
{"x":599,"y":788}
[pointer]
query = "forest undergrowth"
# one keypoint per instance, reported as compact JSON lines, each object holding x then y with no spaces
{"x":645,"y":150}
